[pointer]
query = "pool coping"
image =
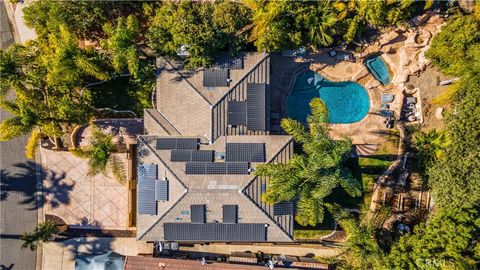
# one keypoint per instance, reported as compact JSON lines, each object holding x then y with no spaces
{"x":369,"y":91}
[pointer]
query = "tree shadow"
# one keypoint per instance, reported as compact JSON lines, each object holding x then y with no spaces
{"x":23,"y":179}
{"x":81,"y":247}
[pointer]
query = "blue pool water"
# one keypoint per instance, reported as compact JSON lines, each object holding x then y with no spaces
{"x":347,"y":102}
{"x":378,"y":68}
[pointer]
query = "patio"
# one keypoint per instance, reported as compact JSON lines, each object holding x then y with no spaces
{"x":81,"y":200}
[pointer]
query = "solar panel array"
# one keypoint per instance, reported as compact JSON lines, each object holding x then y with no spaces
{"x":226,"y":60}
{"x":230,"y":213}
{"x":198,"y":213}
{"x":215,"y":77}
{"x":283,"y":208}
{"x":215,"y":232}
{"x":177,"y":143}
{"x":161,"y":190}
{"x":258,"y":107}
{"x":216,"y":168}
{"x":237,"y":113}
{"x":184,"y":155}
{"x":146,"y":203}
{"x":245,"y":152}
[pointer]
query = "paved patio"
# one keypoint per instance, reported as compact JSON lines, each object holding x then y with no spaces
{"x":91,"y":202}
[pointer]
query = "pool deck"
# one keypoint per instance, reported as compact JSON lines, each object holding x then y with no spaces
{"x":402,"y":50}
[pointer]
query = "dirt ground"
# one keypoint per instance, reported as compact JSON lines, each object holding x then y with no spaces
{"x":427,"y":82}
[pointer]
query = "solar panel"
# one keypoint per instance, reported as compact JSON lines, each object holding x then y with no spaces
{"x":187,"y":143}
{"x":237,"y":167}
{"x":237,"y":113}
{"x":146,"y":175}
{"x":220,"y":232}
{"x":245,"y":152}
{"x":166,"y":143}
{"x":146,"y":203}
{"x":283,"y":208}
{"x":230,"y":213}
{"x":216,"y":168}
{"x":202,"y":155}
{"x":226,"y":60}
{"x":182,"y":155}
{"x":195,"y":168}
{"x":161,"y":190}
{"x":197,"y":213}
{"x":177,"y":143}
{"x":215,"y":77}
{"x":258,"y":107}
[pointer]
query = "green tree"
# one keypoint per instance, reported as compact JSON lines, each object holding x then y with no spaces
{"x":430,"y":146}
{"x":200,"y":27}
{"x":312,"y":176}
{"x":320,"y":22}
{"x":362,"y":249}
{"x":449,"y":239}
{"x":455,"y":179}
{"x":101,"y":157}
{"x":121,"y":44}
{"x":47,"y":80}
{"x":274,"y":25}
{"x":457,"y":46}
{"x":42,"y":233}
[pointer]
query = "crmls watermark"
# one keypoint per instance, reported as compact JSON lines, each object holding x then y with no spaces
{"x":433,"y":263}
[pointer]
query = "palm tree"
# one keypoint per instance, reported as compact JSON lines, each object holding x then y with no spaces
{"x":362,"y":249}
{"x":42,"y":233}
{"x":47,"y":78}
{"x":320,"y":22}
{"x":100,"y":156}
{"x":430,"y":145}
{"x":311,"y":176}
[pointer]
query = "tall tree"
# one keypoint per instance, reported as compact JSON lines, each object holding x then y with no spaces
{"x":310,"y":177}
{"x":430,"y":146}
{"x":449,"y":240}
{"x":101,"y":157}
{"x":47,"y":79}
{"x":192,"y":25}
{"x":457,"y":46}
{"x":121,"y":44}
{"x":362,"y":249}
{"x":42,"y":233}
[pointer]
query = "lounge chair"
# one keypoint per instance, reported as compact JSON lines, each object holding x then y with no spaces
{"x":387,"y":98}
{"x":386,"y":113}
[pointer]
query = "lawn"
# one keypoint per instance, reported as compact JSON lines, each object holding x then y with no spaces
{"x":314,"y":233}
{"x":123,"y":93}
{"x":366,"y":170}
{"x":372,"y":167}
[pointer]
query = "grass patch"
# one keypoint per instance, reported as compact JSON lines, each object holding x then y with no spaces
{"x":124,"y":93}
{"x":314,"y":232}
{"x":310,"y":234}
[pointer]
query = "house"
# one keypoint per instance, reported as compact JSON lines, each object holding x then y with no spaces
{"x":195,"y":164}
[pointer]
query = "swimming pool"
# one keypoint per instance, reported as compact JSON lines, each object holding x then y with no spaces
{"x":347,"y":102}
{"x":377,"y":66}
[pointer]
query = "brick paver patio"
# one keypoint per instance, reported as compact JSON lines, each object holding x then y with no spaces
{"x":79,"y":199}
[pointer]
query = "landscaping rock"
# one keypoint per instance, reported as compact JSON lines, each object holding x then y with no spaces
{"x":372,"y":84}
{"x":439,"y":113}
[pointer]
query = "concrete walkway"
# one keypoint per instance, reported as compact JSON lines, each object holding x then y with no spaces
{"x":296,"y":250}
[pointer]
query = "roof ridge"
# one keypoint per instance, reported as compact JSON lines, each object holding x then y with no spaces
{"x":176,"y":202}
{"x":241,"y":79}
{"x":187,"y":81}
{"x":243,"y":190}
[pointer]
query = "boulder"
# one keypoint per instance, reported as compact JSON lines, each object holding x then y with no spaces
{"x":372,"y":84}
{"x":400,"y":78}
{"x":439,"y":113}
